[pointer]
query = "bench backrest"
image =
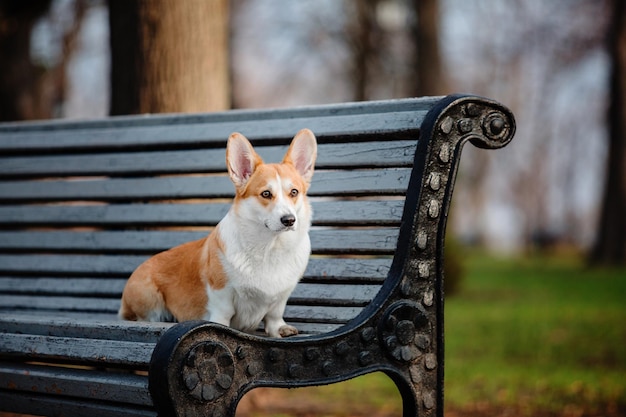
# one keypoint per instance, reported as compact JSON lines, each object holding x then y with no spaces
{"x":83,"y":203}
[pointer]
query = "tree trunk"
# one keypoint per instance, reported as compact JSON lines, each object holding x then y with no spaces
{"x":361,"y":35}
{"x":21,"y":83}
{"x":429,"y":74}
{"x":169,"y":56}
{"x":610,"y":245}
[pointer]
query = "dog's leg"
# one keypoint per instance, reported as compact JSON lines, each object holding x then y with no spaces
{"x":275,"y":325}
{"x":220,"y":309}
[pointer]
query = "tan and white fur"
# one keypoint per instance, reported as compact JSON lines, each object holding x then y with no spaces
{"x":243,"y":272}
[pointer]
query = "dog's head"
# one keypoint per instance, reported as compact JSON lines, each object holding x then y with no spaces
{"x":272,"y":195}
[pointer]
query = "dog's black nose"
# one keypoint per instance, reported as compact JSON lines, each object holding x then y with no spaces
{"x":288,"y":220}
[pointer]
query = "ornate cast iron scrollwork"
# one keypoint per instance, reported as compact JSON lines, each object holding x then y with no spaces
{"x":405,"y":331}
{"x":208,"y":371}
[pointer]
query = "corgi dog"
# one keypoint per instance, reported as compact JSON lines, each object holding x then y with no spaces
{"x":243,"y":272}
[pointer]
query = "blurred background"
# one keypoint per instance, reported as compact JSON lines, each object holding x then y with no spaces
{"x":537,"y":232}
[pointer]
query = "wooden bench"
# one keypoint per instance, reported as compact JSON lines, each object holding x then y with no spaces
{"x":83,"y":203}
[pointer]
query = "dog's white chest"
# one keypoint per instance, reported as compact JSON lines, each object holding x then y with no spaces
{"x":264,"y":275}
{"x":260,"y":277}
{"x":259,"y":285}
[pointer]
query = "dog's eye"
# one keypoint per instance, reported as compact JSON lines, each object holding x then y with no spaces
{"x":266,"y":194}
{"x":294,"y":193}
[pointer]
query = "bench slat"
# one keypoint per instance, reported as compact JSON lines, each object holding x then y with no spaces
{"x":93,"y":384}
{"x":305,"y":329}
{"x":333,"y":156}
{"x":305,"y":293}
{"x":83,"y":326}
{"x":122,"y":266}
{"x":326,"y":183}
{"x":107,"y":325}
{"x":168,"y":215}
{"x":42,"y":404}
{"x":213,"y":129}
{"x":96,"y":351}
{"x":320,"y":314}
{"x":322,"y":241}
{"x":70,"y":265}
{"x":62,"y":303}
{"x":298,"y":313}
{"x":333,"y":295}
{"x":86,"y":287}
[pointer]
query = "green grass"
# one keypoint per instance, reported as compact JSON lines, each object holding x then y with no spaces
{"x":537,"y":334}
{"x":526,"y":336}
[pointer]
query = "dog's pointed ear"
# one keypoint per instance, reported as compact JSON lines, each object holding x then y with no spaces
{"x":241,"y":159}
{"x":302,"y":153}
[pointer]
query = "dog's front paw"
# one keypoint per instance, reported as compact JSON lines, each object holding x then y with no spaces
{"x":287,"y":330}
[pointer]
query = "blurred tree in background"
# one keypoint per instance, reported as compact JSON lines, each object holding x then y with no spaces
{"x":430,"y":77}
{"x":394,"y":46}
{"x":169,"y":56}
{"x":30,"y":89}
{"x":363,"y":35}
{"x":20,"y":89}
{"x":610,"y":244}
